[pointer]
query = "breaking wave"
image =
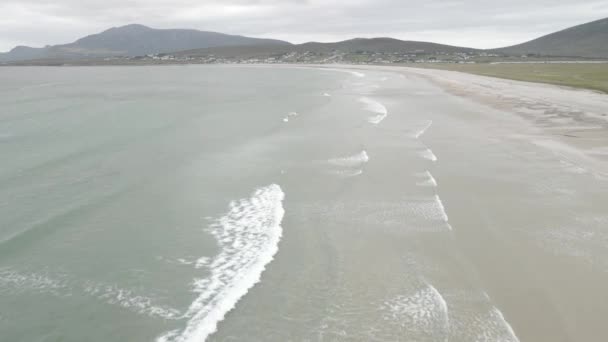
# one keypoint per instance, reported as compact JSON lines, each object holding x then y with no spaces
{"x":248,"y":236}
{"x":375,"y":107}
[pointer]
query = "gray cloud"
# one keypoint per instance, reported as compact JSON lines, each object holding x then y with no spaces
{"x":474,"y":23}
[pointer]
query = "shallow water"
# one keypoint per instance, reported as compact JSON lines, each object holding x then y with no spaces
{"x":275,"y":204}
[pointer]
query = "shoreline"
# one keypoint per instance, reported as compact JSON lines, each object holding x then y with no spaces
{"x":571,"y":122}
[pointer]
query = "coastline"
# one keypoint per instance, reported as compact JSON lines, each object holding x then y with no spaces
{"x":569,"y":121}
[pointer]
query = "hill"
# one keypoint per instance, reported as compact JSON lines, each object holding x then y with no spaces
{"x":349,"y":48}
{"x":587,"y":40}
{"x":134,"y":40}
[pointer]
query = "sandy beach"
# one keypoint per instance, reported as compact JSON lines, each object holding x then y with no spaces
{"x":537,"y":148}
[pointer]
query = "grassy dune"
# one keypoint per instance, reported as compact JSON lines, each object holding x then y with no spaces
{"x":587,"y":76}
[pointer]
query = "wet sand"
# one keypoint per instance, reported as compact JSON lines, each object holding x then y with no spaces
{"x":464,"y":208}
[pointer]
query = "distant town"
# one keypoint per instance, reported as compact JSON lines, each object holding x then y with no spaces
{"x":338,"y":57}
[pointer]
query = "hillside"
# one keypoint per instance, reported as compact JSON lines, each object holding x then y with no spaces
{"x":587,"y":40}
{"x":134,"y":40}
{"x":348,"y":47}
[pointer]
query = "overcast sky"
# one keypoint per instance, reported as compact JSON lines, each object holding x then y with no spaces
{"x":473,"y":23}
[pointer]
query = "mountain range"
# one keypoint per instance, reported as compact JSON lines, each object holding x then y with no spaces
{"x":134,"y":40}
{"x":587,"y":40}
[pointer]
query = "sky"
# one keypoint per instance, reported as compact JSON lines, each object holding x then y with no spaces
{"x":471,"y":23}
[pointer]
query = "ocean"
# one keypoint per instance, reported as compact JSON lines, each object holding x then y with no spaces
{"x":252,"y":203}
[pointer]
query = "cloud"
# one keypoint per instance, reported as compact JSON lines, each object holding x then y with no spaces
{"x":474,"y":23}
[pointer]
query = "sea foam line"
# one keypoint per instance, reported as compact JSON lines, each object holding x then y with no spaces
{"x":429,"y":155}
{"x":290,"y":115}
{"x":128,"y":299}
{"x":423,"y":130}
{"x":509,"y":329}
{"x":351,"y":161}
{"x":444,"y":214}
{"x":374,"y":107}
{"x":62,"y":285}
{"x":347,"y":173}
{"x":429,"y":181}
{"x":426,"y":310}
{"x":248,"y":236}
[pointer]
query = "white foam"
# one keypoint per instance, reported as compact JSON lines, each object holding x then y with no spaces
{"x":374,"y":107}
{"x":351,"y":161}
{"x":202,"y":262}
{"x":429,"y":155}
{"x":14,"y":281}
{"x":494,"y":327}
{"x":429,"y":210}
{"x":347,"y":173}
{"x":127,"y":299}
{"x":248,"y":236}
{"x":61,"y":285}
{"x":425,"y":311}
{"x":290,"y":115}
{"x":357,"y":74}
{"x":509,"y":329}
{"x":185,"y":261}
{"x":444,"y":214}
{"x":326,"y":94}
{"x":424,"y":128}
{"x":429,"y":180}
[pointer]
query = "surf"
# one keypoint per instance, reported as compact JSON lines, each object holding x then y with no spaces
{"x":248,"y":236}
{"x":351,"y":161}
{"x":375,"y":107}
{"x":429,"y":180}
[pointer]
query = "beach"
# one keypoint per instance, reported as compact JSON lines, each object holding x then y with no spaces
{"x":300,"y":203}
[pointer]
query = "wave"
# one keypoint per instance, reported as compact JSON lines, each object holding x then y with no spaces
{"x":424,"y":312}
{"x":128,"y":299}
{"x":429,"y":155}
{"x":444,"y":215}
{"x":423,"y":129}
{"x":510,"y":333}
{"x":60,"y":285}
{"x":492,"y":326}
{"x":327,"y":94}
{"x":11,"y":280}
{"x":248,"y":236}
{"x":374,"y":107}
{"x":351,"y":161}
{"x":290,"y":115}
{"x":429,"y":180}
{"x":430,"y":210}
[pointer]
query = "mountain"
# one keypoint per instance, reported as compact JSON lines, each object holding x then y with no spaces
{"x":134,"y":40}
{"x":586,"y":40}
